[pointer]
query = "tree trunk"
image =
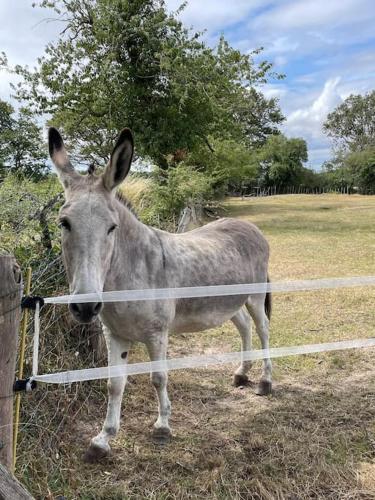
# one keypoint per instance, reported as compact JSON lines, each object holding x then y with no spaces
{"x":10,"y":313}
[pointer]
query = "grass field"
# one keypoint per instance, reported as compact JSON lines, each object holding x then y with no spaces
{"x":313,"y":438}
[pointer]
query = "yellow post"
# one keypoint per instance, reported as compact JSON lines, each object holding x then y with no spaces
{"x":25,"y":319}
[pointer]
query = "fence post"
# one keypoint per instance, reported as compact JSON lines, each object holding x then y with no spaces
{"x":10,"y":313}
{"x":184,"y":220}
{"x":10,"y":488}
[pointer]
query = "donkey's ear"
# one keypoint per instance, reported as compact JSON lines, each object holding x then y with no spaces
{"x":60,"y":158}
{"x":120,"y":161}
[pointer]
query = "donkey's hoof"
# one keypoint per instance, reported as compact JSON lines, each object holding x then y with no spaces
{"x":95,"y":453}
{"x":240,"y":380}
{"x":161,"y":435}
{"x":264,"y":388}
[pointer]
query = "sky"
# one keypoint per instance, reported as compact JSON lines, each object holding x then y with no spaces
{"x":326,"y":49}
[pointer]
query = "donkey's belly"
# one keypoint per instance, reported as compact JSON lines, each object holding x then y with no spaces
{"x":194,"y":315}
{"x":136,"y":321}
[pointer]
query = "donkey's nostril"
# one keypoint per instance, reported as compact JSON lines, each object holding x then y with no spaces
{"x":97,"y":307}
{"x":75,"y":308}
{"x":85,"y":312}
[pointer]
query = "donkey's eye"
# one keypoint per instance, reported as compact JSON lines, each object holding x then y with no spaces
{"x":65,"y":224}
{"x":112,"y":228}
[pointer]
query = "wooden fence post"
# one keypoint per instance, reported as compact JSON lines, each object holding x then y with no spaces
{"x":10,"y":488}
{"x":10,"y":313}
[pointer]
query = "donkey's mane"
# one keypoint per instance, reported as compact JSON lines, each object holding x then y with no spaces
{"x":124,"y":201}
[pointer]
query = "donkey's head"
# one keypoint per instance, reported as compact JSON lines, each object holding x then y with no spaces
{"x":89,"y":220}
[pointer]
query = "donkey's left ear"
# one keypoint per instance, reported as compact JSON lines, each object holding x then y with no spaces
{"x":120,"y":161}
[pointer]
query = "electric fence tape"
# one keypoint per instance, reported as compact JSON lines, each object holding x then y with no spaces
{"x":68,"y":377}
{"x":212,"y":291}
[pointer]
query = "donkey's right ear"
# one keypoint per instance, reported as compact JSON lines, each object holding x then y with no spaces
{"x":59,"y":156}
{"x":120,"y":161}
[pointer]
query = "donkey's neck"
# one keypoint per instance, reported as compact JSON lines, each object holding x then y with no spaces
{"x":131,"y":265}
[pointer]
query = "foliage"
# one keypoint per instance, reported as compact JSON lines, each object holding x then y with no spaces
{"x":173,"y":190}
{"x":335,"y":175}
{"x":20,"y":226}
{"x":310,"y":178}
{"x":22,"y":150}
{"x":228,"y":164}
{"x":281,"y":161}
{"x":131,"y":63}
{"x":361,"y":167}
{"x":352,"y":123}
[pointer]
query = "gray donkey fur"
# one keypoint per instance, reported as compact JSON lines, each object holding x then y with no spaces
{"x":105,"y":247}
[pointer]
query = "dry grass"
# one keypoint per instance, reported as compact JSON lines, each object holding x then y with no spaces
{"x":313,"y":438}
{"x":137,"y":190}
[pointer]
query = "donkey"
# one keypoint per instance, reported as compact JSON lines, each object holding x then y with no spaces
{"x":105,"y":247}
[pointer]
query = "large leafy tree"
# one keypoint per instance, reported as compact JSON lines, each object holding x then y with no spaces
{"x":352,"y":126}
{"x":281,"y":161}
{"x":129,"y":62}
{"x":229,"y":165}
{"x":22,"y":149}
{"x":361,"y":167}
{"x":352,"y":123}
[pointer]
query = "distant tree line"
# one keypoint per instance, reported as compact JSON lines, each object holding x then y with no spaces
{"x":279,"y":161}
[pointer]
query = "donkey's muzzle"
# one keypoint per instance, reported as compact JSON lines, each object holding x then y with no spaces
{"x":87,"y":312}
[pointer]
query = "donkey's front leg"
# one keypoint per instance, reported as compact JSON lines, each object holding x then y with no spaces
{"x":118,"y":349}
{"x":157,"y":349}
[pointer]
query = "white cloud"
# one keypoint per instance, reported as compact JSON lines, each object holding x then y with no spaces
{"x":25,"y":30}
{"x":316,"y":13}
{"x":280,"y":61}
{"x":214,"y":14}
{"x":5,"y":80}
{"x":302,"y":28}
{"x":308,"y":121}
{"x":274,"y":90}
{"x":318,"y":155}
{"x":282,"y":44}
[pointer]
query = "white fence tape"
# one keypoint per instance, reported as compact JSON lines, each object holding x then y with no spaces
{"x":213,"y":291}
{"x":36,"y":339}
{"x":68,"y":377}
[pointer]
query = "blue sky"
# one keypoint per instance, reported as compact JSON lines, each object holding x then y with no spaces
{"x":326,"y":48}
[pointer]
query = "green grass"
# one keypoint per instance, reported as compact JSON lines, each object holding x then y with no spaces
{"x":313,"y":438}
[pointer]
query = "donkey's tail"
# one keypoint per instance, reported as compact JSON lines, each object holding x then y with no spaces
{"x":268,"y":302}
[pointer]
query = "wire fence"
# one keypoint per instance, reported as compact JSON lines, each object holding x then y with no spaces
{"x":259,"y":191}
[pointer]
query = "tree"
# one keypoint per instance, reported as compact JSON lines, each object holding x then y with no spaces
{"x":281,"y":161}
{"x":361,"y":166}
{"x":22,"y":149}
{"x":229,"y":165}
{"x":129,"y":62}
{"x":352,"y":124}
{"x":6,"y":123}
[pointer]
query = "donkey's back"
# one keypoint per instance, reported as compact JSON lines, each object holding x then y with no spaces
{"x":224,"y":252}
